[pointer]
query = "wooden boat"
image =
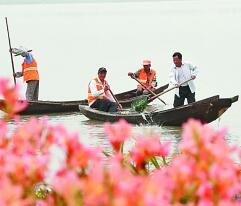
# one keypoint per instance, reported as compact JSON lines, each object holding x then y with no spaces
{"x":206,"y":110}
{"x":47,"y":107}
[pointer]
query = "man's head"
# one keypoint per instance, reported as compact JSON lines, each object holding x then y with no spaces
{"x":102,"y":73}
{"x":177,"y":59}
{"x":147,"y":65}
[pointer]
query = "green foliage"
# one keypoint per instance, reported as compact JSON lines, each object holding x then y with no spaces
{"x":107,"y":154}
{"x":41,"y":190}
{"x":140,"y":104}
{"x":155,"y":163}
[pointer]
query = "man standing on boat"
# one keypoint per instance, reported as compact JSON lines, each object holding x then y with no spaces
{"x":180,"y":73}
{"x":146,"y":76}
{"x":29,"y":73}
{"x":99,"y":96}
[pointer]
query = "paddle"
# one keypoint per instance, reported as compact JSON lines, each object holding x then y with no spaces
{"x":154,"y":95}
{"x":118,"y":103}
{"x":164,"y":92}
{"x":140,"y":104}
{"x":9,"y":42}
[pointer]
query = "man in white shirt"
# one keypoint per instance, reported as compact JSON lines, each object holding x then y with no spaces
{"x":99,"y":96}
{"x":180,"y":73}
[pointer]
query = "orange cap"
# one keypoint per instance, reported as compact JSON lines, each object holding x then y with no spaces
{"x":146,"y":62}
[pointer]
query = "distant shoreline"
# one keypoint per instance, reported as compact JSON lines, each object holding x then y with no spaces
{"x":16,"y":2}
{"x":64,"y":1}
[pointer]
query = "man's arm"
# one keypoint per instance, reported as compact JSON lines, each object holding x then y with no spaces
{"x":109,"y":96}
{"x":18,"y":74}
{"x":107,"y":92}
{"x":94,"y":90}
{"x":136,"y":74}
{"x":154,"y":82}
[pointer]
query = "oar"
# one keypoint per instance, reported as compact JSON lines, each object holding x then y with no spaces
{"x":164,"y":92}
{"x":116,"y":100}
{"x":10,"y":48}
{"x":154,"y":94}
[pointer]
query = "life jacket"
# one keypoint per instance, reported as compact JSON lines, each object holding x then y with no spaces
{"x":99,"y":86}
{"x":144,"y":78}
{"x":30,"y":71}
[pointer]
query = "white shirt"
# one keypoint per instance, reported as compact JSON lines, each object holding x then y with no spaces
{"x":181,"y":77}
{"x":182,"y":74}
{"x":102,"y":93}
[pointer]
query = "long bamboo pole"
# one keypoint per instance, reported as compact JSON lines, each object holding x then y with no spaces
{"x":10,"y":48}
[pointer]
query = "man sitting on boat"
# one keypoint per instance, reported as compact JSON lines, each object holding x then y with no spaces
{"x":99,"y":96}
{"x":146,"y":76}
{"x":180,"y":73}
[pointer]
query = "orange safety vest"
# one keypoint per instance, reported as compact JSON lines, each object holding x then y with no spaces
{"x":144,"y":78}
{"x":30,"y":71}
{"x":99,"y":86}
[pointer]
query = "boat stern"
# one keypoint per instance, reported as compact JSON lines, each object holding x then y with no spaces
{"x":234,"y":99}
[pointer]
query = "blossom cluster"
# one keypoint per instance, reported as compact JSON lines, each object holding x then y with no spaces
{"x":203,"y":173}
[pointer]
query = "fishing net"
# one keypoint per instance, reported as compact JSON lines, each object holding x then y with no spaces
{"x":140,"y":104}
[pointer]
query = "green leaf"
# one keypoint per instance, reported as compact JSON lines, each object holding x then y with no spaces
{"x":107,"y":154}
{"x":155,"y":163}
{"x":140,"y":104}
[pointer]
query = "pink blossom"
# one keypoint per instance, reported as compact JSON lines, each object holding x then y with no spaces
{"x":3,"y":134}
{"x":11,"y":105}
{"x":11,"y":193}
{"x":146,"y":148}
{"x":29,"y":136}
{"x":78,"y":155}
{"x":118,"y":133}
{"x":202,"y":174}
{"x":67,"y":184}
{"x":205,"y":172}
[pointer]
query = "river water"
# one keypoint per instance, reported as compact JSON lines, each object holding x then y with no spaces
{"x":71,"y":41}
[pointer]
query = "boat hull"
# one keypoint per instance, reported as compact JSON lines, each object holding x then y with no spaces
{"x":206,"y":111}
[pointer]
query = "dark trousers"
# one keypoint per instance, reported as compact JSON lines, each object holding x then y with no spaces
{"x":184,"y":92}
{"x":32,"y":90}
{"x":141,"y":91}
{"x":104,"y":105}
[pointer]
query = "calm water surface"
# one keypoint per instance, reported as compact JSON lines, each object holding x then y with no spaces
{"x":71,"y":41}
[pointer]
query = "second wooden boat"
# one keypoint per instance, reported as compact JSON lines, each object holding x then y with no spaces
{"x":48,"y":107}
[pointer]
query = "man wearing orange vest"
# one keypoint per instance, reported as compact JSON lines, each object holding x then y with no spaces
{"x":29,"y":73}
{"x":99,"y":96}
{"x":146,"y":76}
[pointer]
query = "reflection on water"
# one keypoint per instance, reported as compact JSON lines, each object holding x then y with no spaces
{"x":92,"y":132}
